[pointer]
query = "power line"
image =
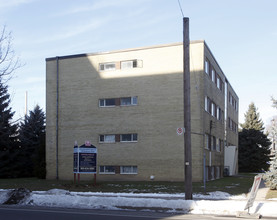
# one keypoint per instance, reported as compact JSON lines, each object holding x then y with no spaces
{"x":180,"y":8}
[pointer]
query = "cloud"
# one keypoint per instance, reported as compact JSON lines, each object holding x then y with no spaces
{"x":100,"y":4}
{"x":13,"y":3}
{"x":74,"y":31}
{"x":35,"y":80}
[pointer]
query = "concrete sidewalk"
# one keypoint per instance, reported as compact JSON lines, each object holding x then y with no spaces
{"x":262,"y":191}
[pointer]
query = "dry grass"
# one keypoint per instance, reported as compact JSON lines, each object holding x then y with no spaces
{"x":271,"y":194}
{"x":234,"y":185}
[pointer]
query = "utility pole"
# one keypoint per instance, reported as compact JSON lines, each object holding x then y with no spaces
{"x":187,"y":115}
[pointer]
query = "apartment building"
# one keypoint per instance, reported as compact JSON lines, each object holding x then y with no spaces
{"x":129,"y":104}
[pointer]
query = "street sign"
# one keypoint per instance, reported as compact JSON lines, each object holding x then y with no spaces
{"x":253,"y":193}
{"x":180,"y":131}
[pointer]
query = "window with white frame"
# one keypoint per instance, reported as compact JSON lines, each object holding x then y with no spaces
{"x":128,"y":169}
{"x":207,"y":104}
{"x":129,"y":64}
{"x":218,"y":144}
{"x":212,"y":173}
{"x":107,"y":66}
{"x":219,"y":83}
{"x":217,"y":172}
{"x":128,"y":137}
{"x":106,"y":169}
{"x":129,"y":101}
{"x":207,"y":66}
{"x":213,"y":138}
{"x":213,"y":109}
{"x":218,"y":113}
{"x":207,"y":141}
{"x":107,"y":138}
{"x":213,"y":76}
{"x":106,"y":102}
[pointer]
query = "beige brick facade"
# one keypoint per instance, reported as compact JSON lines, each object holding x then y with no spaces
{"x":76,"y":84}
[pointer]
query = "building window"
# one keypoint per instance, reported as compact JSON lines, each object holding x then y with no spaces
{"x":128,"y":137}
{"x":107,"y":66}
{"x":106,"y":102}
{"x":207,"y":66}
{"x":107,"y":170}
{"x":128,"y":170}
{"x":219,"y":83}
{"x":208,"y":140}
{"x":213,"y":76}
{"x":218,"y":113}
{"x":129,"y":101}
{"x":208,"y":104}
{"x":218,"y":142}
{"x":217,"y":172}
{"x":212,"y":173}
{"x":213,"y":138}
{"x":213,"y":110}
{"x":107,"y":138}
{"x":129,"y":64}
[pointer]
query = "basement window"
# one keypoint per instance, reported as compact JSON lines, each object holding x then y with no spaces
{"x":106,"y":102}
{"x":129,"y":101}
{"x":128,"y":170}
{"x":108,"y":138}
{"x":128,"y":137}
{"x":106,"y":169}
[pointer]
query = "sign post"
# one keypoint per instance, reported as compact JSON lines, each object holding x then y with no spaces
{"x":251,"y":198}
{"x":85,"y":160}
{"x":253,"y":193}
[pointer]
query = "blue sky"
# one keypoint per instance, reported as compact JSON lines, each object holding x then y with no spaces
{"x":242,"y":34}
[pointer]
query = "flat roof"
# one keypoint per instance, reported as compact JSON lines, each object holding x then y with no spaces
{"x":120,"y":51}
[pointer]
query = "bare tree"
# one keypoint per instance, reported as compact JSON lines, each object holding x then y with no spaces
{"x":274,"y":102}
{"x":9,"y":62}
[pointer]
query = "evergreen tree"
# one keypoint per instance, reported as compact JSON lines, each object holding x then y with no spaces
{"x":254,"y":151}
{"x":252,"y":119}
{"x":271,"y":176}
{"x":32,"y":138}
{"x":8,"y":143}
{"x":254,"y":145}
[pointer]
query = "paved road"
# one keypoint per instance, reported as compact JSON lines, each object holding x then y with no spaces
{"x":40,"y":213}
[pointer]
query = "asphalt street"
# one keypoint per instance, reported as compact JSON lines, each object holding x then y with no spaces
{"x":45,"y":213}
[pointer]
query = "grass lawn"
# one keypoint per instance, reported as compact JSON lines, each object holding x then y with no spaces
{"x":234,"y":185}
{"x":271,"y":194}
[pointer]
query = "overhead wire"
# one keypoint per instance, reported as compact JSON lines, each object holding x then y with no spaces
{"x":181,"y":8}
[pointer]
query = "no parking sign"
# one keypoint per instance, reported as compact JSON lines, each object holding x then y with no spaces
{"x":180,"y":131}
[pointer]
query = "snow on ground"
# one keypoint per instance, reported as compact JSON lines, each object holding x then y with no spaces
{"x":218,"y":203}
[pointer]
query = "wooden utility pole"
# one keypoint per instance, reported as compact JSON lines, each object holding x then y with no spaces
{"x":187,"y":116}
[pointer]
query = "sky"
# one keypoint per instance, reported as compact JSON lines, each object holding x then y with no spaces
{"x":241,"y":34}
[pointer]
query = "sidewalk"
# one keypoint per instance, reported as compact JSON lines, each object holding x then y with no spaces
{"x":216,"y":203}
{"x":262,"y":192}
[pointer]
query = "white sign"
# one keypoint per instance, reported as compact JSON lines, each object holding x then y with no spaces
{"x":253,"y":192}
{"x":180,"y":131}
